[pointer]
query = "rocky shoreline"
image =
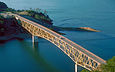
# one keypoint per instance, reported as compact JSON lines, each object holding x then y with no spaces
{"x":11,"y":29}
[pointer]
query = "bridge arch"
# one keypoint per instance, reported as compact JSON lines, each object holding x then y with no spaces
{"x":77,"y":53}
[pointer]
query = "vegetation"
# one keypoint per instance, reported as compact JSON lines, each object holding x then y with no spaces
{"x":84,"y":70}
{"x":3,"y":6}
{"x":1,"y":19}
{"x":109,"y":67}
{"x":35,"y":13}
{"x":8,"y":24}
{"x":38,"y":14}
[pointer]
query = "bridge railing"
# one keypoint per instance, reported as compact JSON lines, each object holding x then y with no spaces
{"x":77,"y":53}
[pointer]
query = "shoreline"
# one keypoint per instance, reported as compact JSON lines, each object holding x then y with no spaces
{"x":20,"y":37}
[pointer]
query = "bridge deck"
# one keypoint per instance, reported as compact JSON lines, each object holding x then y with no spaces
{"x":83,"y":50}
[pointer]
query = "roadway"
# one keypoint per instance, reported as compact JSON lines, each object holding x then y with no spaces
{"x":83,"y":50}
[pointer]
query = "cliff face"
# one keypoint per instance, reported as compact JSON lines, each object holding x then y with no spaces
{"x":10,"y":29}
{"x":9,"y":26}
{"x":3,"y":6}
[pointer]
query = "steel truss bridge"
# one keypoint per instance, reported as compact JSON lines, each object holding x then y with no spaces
{"x":78,"y":54}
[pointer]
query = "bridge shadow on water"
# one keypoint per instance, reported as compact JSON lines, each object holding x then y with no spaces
{"x":34,"y":52}
{"x":46,"y":64}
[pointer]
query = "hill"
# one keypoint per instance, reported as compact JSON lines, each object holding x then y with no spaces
{"x":3,"y":6}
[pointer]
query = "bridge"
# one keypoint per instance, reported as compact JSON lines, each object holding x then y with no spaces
{"x":77,"y":53}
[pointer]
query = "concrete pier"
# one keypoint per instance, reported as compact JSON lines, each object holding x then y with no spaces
{"x":35,"y":41}
{"x":76,"y":67}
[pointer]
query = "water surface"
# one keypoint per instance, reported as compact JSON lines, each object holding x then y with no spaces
{"x":97,"y":14}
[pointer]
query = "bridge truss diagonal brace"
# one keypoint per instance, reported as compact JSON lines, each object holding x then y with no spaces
{"x":74,"y":51}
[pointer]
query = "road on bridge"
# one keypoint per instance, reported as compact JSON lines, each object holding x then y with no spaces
{"x":78,"y":47}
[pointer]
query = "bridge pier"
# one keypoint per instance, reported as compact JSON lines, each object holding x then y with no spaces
{"x":35,"y":41}
{"x":76,"y":67}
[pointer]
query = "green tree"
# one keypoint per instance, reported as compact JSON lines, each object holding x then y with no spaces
{"x":3,"y":6}
{"x":37,"y":16}
{"x":1,"y":22}
{"x":108,"y":67}
{"x":84,"y":70}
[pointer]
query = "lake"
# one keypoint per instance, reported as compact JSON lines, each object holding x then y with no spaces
{"x":19,"y":56}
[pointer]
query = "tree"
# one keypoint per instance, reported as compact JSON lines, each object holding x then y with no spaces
{"x":37,"y":16}
{"x":3,"y":6}
{"x":84,"y":70}
{"x":108,"y":67}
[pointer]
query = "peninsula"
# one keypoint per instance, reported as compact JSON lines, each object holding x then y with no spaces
{"x":10,"y":27}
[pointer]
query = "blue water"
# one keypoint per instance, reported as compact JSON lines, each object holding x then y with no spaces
{"x":97,"y":14}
